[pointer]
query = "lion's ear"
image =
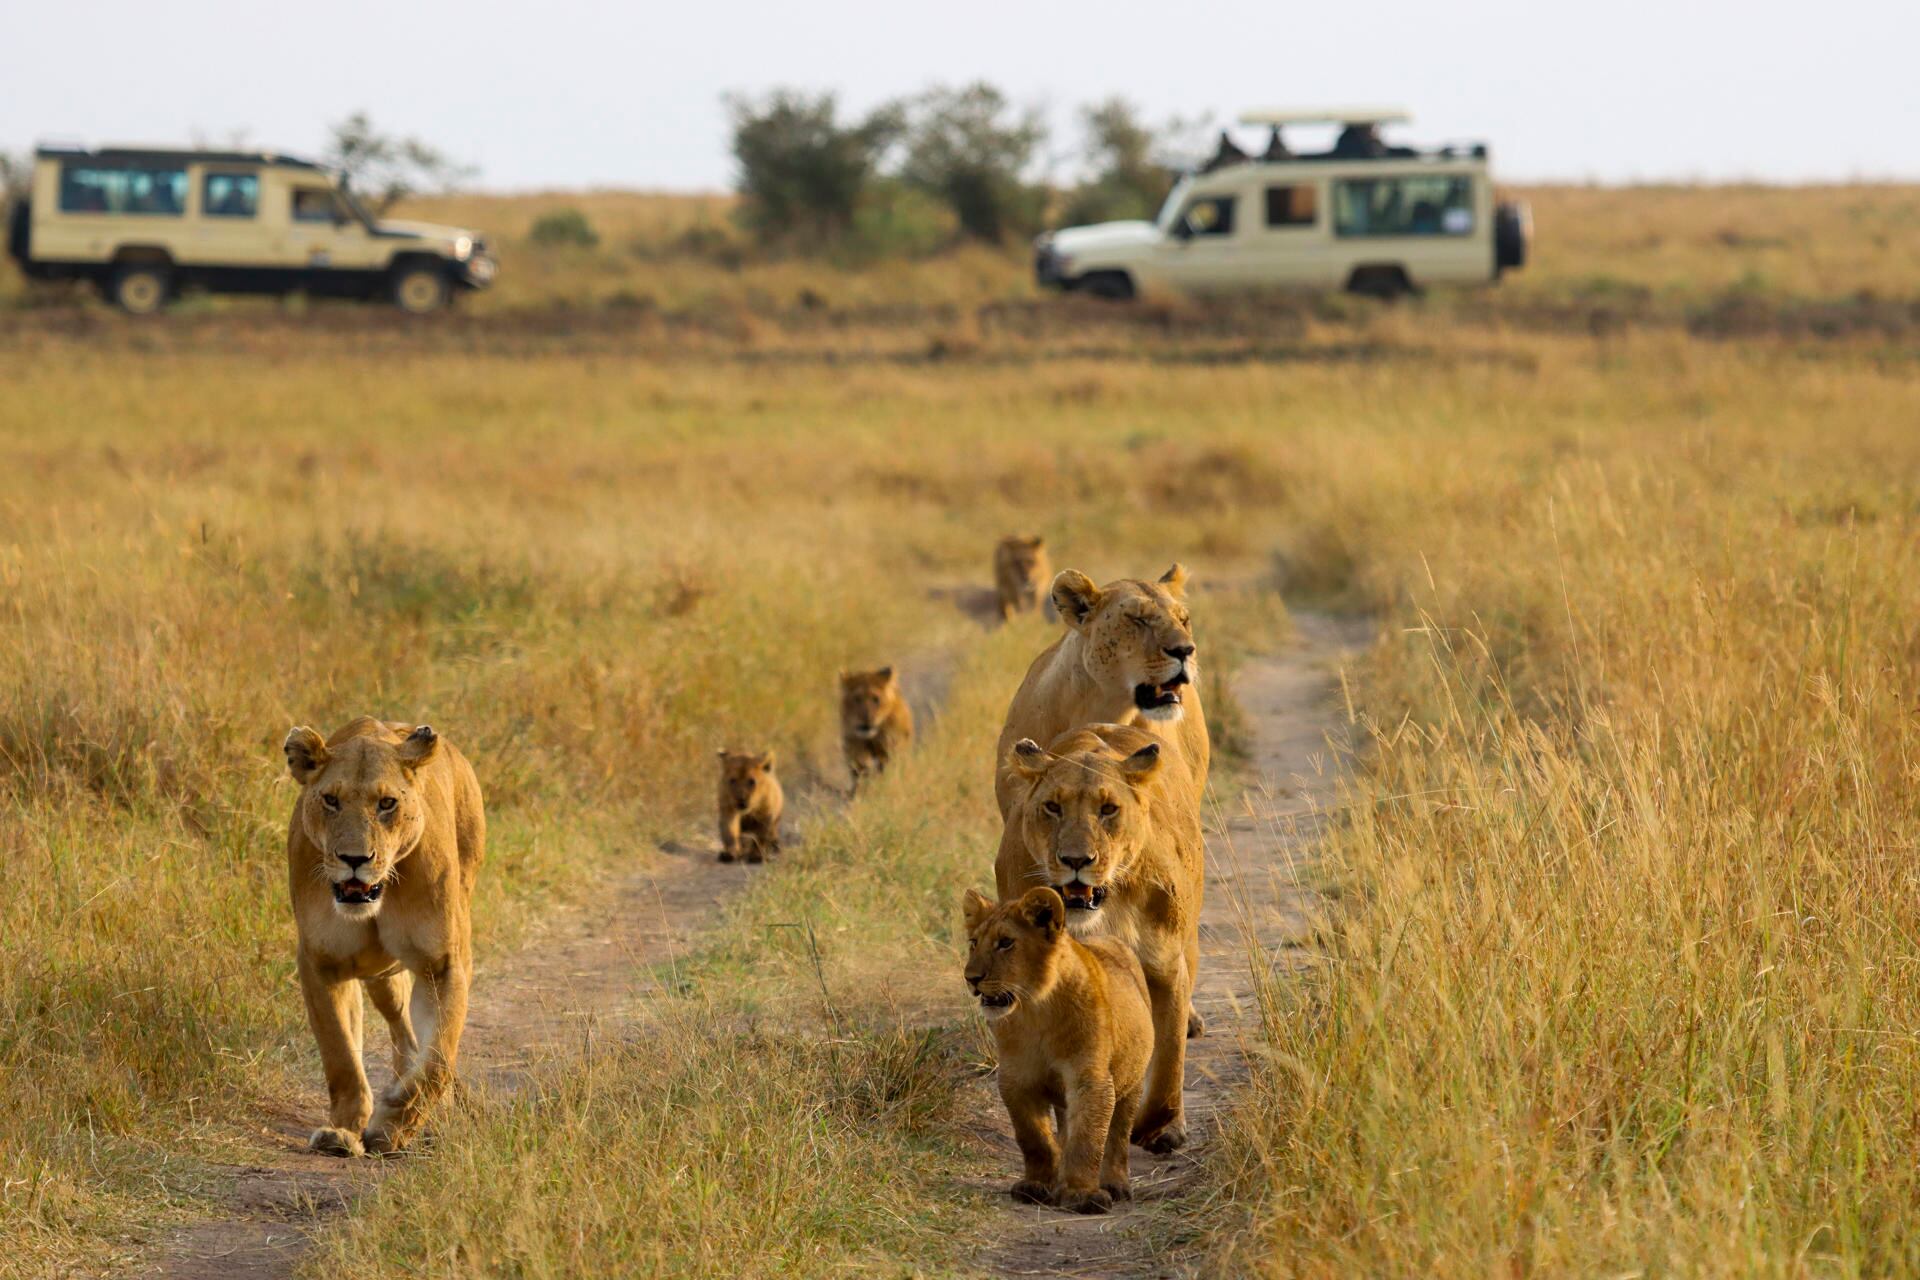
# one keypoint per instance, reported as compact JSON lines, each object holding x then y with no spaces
{"x":418,"y":747}
{"x":306,"y":753}
{"x":1044,"y":909}
{"x":885,"y":673}
{"x":1027,"y":759}
{"x":1037,"y":541}
{"x":1175,"y":581}
{"x":974,"y":906}
{"x":1075,"y":596}
{"x":1142,"y":764}
{"x":766,"y":761}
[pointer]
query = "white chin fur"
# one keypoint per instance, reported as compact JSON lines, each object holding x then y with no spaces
{"x":995,"y":1014}
{"x":357,"y":910}
{"x":1165,"y":715}
{"x":1086,"y":924}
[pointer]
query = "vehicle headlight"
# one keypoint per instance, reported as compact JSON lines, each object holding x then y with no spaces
{"x":462,"y":246}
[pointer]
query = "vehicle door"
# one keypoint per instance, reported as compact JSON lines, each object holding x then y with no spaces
{"x":228,"y":230}
{"x":322,"y":233}
{"x":1289,"y":244}
{"x":1206,"y":248}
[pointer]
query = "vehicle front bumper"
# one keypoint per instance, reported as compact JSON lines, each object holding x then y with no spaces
{"x":1049,"y":270}
{"x":477,"y":271}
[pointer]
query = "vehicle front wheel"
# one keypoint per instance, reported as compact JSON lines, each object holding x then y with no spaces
{"x":1383,"y":282}
{"x":140,"y":289}
{"x":1116,"y":285}
{"x":420,"y":290}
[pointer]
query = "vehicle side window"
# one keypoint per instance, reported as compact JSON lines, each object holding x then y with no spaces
{"x":314,"y":204}
{"x":1297,"y":206}
{"x":146,"y":189}
{"x":1426,"y":205}
{"x":1208,"y":216}
{"x":231,"y":195}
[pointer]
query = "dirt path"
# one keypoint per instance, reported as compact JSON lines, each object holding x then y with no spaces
{"x":1253,"y":907}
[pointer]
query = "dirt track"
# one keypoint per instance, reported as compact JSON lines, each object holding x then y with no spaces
{"x":591,"y":967}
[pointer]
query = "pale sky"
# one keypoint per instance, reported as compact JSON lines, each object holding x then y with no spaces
{"x":566,"y":94}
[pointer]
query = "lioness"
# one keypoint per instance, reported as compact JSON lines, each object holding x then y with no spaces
{"x":876,"y":723}
{"x":1020,"y":571}
{"x":1071,"y":1022}
{"x":1126,"y":657}
{"x":750,"y":805}
{"x":382,"y":852}
{"x":1106,"y":815}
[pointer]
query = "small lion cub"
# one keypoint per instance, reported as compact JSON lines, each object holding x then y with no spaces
{"x":1074,"y":1032}
{"x":1020,"y":574}
{"x":876,"y":723}
{"x":750,"y":804}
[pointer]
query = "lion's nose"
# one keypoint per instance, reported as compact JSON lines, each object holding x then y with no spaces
{"x":355,"y":861}
{"x":1180,"y":651}
{"x":1075,"y":861}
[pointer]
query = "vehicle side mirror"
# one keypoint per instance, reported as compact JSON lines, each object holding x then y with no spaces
{"x":1184,"y":229}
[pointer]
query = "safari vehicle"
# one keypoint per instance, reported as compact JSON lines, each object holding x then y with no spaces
{"x":1363,"y":215}
{"x":145,"y":223}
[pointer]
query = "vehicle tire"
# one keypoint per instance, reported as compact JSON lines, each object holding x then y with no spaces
{"x":141,"y":288}
{"x":420,"y":288}
{"x":1512,"y":234}
{"x":1383,"y":282}
{"x":1114,"y":285}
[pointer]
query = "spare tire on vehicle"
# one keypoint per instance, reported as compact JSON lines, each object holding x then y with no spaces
{"x":1512,"y":233}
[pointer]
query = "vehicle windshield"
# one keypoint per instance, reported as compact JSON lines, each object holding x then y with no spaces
{"x":353,"y":202}
{"x":1175,"y":198}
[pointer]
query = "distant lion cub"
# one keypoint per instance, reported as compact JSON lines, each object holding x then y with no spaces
{"x":1071,"y":1022}
{"x":750,"y":804}
{"x":876,"y":723}
{"x":1020,"y":574}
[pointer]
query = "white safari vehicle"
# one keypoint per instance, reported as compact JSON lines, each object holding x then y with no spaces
{"x":1362,"y":215}
{"x":142,"y":223}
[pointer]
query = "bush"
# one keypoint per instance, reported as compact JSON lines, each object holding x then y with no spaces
{"x":969,"y":149}
{"x":1126,"y":181}
{"x":802,"y":171}
{"x":564,"y":227}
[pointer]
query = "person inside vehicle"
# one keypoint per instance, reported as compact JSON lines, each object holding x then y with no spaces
{"x":1276,"y":147}
{"x":1227,"y":154}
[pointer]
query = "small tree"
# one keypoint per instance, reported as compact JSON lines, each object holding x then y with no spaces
{"x":16,"y":174}
{"x":802,"y":171}
{"x":564,"y":228}
{"x":1126,"y":179}
{"x":970,"y":149}
{"x":384,"y":169}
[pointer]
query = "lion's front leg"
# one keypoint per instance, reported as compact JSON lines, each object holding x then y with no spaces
{"x":1160,"y":1124}
{"x":439,"y":1011}
{"x":333,"y":1011}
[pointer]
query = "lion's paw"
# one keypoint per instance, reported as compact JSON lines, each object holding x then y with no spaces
{"x":1121,"y":1190}
{"x":1170,"y":1138}
{"x":1027,"y":1191}
{"x":1196,"y":1025}
{"x":1098,"y":1200}
{"x":336,"y":1142}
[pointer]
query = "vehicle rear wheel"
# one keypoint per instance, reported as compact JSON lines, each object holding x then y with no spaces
{"x":141,"y":288}
{"x":421,"y":289}
{"x":1383,"y":282}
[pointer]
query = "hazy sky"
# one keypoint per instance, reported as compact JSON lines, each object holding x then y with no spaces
{"x":565,"y":94}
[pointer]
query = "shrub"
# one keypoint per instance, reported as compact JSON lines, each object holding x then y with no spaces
{"x":1126,"y":181}
{"x":564,"y":227}
{"x":970,"y":149}
{"x":803,"y":171}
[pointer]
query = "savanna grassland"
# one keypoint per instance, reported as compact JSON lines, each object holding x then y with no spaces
{"x":1618,"y":966}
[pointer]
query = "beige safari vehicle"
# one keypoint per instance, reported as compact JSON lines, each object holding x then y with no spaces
{"x":1362,"y":215}
{"x":145,"y":223}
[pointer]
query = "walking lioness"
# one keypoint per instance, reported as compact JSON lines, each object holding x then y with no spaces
{"x":382,"y":852}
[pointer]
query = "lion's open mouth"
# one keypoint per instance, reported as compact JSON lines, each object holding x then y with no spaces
{"x":998,"y":1000}
{"x":356,"y":893}
{"x":1083,"y":897}
{"x":1152,"y":697}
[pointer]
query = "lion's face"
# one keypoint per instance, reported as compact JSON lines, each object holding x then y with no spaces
{"x":1025,"y":557}
{"x":1137,"y":636}
{"x":865,"y":699}
{"x":745,"y":778}
{"x":1084,"y":821}
{"x":1011,"y":948}
{"x":360,"y":808}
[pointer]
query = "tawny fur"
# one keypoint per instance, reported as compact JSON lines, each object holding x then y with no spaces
{"x":1073,"y":1045}
{"x":1116,"y":637}
{"x":750,"y":802}
{"x":411,"y":949}
{"x":1020,"y":573}
{"x":876,"y":724}
{"x":1115,"y":800}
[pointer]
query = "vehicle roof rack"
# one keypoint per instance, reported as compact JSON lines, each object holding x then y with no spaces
{"x":1325,"y":115}
{"x":123,"y":152}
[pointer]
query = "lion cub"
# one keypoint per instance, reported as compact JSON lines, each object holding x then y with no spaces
{"x":1071,"y":1022}
{"x":750,"y":804}
{"x":1020,"y":574}
{"x":876,"y":723}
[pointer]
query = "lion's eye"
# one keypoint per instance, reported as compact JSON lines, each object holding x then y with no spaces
{"x":1005,"y":944}
{"x":1051,"y":809}
{"x":332,"y":803}
{"x":388,"y":804}
{"x":1109,"y":809}
{"x":1140,"y":620}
